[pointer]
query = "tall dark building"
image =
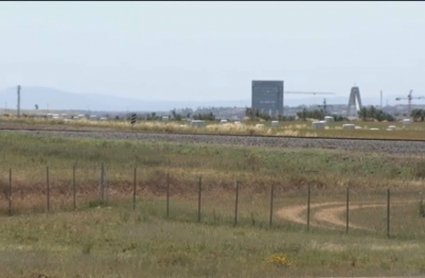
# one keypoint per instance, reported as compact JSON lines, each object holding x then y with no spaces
{"x":267,"y":96}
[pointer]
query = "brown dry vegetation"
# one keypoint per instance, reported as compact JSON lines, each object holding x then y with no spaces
{"x":288,"y":129}
{"x":220,"y":167}
{"x":257,"y":169}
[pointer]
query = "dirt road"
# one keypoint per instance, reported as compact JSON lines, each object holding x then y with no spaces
{"x":329,"y":215}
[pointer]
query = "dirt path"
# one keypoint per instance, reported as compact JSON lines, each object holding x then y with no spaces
{"x":333,"y":215}
{"x":298,"y":214}
{"x":331,"y":212}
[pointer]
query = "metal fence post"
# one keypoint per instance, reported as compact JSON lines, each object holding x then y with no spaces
{"x":199,"y":199}
{"x":10,"y":192}
{"x":271,"y":205}
{"x":74,"y":188}
{"x":388,"y":212}
{"x":103,"y":181}
{"x":308,"y":207}
{"x":168,"y":196}
{"x":48,"y":189}
{"x":134,"y":188}
{"x":236,"y":203}
{"x":105,"y":187}
{"x":348,"y":210}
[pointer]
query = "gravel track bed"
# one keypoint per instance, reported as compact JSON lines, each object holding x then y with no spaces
{"x":390,"y":147}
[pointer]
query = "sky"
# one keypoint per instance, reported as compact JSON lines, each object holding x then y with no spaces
{"x":204,"y":51}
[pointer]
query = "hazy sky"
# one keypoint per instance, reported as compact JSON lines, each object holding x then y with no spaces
{"x":212,"y":50}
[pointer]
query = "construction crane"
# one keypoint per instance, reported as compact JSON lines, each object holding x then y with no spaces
{"x":313,"y":93}
{"x":409,"y":98}
{"x":324,"y":106}
{"x":309,"y":93}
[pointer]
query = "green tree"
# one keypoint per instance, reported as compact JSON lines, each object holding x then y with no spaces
{"x":376,"y":114}
{"x":418,"y":114}
{"x":204,"y":117}
{"x":363,"y":114}
{"x":303,"y":114}
{"x":315,"y":114}
{"x":176,"y":117}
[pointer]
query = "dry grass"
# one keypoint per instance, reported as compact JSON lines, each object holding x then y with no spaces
{"x":117,"y":242}
{"x":29,"y":155}
{"x":290,"y":171}
{"x":415,"y":131}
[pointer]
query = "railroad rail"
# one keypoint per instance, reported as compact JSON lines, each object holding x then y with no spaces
{"x":213,"y":134}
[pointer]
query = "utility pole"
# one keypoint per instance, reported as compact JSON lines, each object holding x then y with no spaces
{"x":381,"y":99}
{"x":324,"y":106}
{"x":409,"y":97}
{"x":313,"y":93}
{"x":19,"y":101}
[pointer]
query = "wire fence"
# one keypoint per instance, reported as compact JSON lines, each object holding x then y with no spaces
{"x":385,"y":212}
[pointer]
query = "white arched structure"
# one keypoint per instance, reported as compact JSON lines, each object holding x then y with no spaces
{"x":354,"y":102}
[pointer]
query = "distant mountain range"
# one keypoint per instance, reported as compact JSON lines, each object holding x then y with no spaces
{"x":61,"y":100}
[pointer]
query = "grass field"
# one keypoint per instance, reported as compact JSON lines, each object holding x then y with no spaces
{"x":219,"y":165}
{"x":116,"y":241}
{"x":298,"y":128}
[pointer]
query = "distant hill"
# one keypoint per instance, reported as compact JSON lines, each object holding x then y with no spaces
{"x":61,"y":100}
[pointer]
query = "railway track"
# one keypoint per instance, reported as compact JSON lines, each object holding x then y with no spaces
{"x":388,"y":146}
{"x":215,"y":134}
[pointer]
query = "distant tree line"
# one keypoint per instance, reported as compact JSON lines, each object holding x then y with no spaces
{"x":214,"y":110}
{"x":418,"y":115}
{"x":140,"y":117}
{"x":174,"y":116}
{"x":311,"y":114}
{"x":317,"y":114}
{"x":372,"y":113}
{"x":200,"y":116}
{"x":256,"y":115}
{"x":204,"y":117}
